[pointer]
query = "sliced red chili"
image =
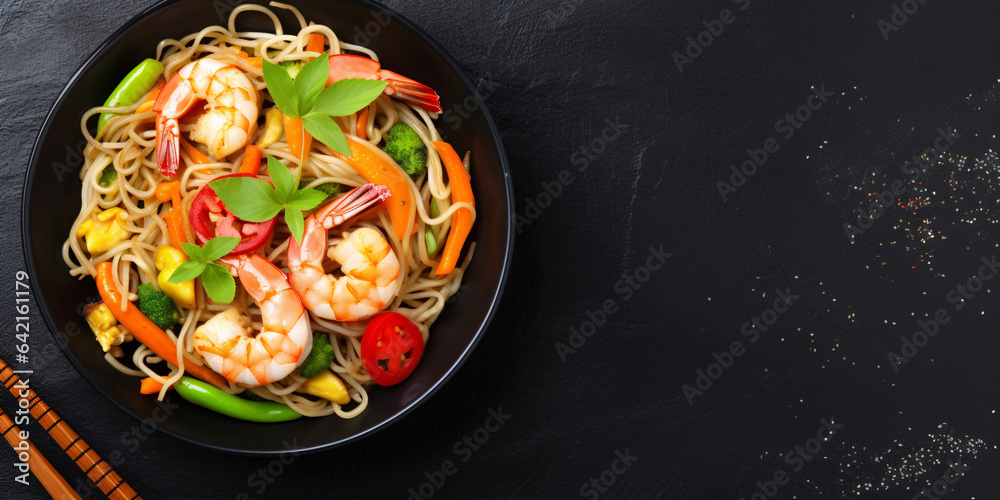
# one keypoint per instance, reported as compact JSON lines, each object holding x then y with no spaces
{"x":391,"y":348}
{"x":210,"y":218}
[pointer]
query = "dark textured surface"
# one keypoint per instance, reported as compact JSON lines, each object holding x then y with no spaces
{"x":554,"y":76}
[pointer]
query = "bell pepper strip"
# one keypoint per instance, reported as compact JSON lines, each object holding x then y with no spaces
{"x":209,"y":218}
{"x":204,"y":395}
{"x":135,"y":84}
{"x":461,"y":191}
{"x":316,"y":43}
{"x":297,"y":138}
{"x":363,"y":124}
{"x":251,"y":160}
{"x":150,"y":385}
{"x":170,"y":191}
{"x":378,"y":168}
{"x":143,"y":329}
{"x":197,"y":157}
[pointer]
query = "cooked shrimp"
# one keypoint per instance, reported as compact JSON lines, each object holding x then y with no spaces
{"x":369,"y":266}
{"x":228,"y":342}
{"x":232,"y":108}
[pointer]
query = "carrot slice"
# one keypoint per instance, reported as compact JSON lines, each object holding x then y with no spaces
{"x":363,"y":123}
{"x":297,"y":138}
{"x":461,"y":222}
{"x":197,"y":157}
{"x":378,"y":168}
{"x":167,"y":191}
{"x":144,"y":330}
{"x":316,"y":43}
{"x":251,"y":160}
{"x":150,"y":385}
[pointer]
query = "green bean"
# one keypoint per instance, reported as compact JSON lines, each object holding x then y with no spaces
{"x":208,"y":396}
{"x":135,"y":85}
{"x":432,"y":244}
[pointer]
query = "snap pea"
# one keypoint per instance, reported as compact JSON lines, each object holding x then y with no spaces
{"x":208,"y":396}
{"x":135,"y":85}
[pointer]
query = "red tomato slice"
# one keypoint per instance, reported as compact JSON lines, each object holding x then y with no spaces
{"x":391,"y":348}
{"x":210,"y":218}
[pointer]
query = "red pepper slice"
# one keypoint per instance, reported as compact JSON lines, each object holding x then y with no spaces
{"x":391,"y":348}
{"x":210,"y":218}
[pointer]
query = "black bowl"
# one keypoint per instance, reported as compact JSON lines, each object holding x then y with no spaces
{"x":52,"y":200}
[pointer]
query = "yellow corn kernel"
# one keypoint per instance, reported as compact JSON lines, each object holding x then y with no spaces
{"x":327,"y":386}
{"x":104,"y":231}
{"x":167,"y":260}
{"x":272,"y":128}
{"x":105,"y":326}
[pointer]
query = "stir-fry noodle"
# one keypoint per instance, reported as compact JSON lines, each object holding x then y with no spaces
{"x":128,"y":143}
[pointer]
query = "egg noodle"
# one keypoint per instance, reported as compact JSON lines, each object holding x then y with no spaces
{"x":128,"y":143}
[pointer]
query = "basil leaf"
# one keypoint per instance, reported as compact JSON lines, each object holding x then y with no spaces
{"x":193,"y":251}
{"x":347,"y":96}
{"x":326,"y":131}
{"x":219,"y":247}
{"x":218,"y":283}
{"x":305,"y":199}
{"x":281,"y":88}
{"x":293,"y":218}
{"x":311,"y":80}
{"x":187,"y":271}
{"x":284,"y":183}
{"x":248,"y":198}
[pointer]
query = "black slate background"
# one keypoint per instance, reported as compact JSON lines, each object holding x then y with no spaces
{"x":555,"y":74}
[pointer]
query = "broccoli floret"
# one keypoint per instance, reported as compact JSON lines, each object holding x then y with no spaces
{"x":157,"y":306}
{"x":405,"y":146}
{"x":292,"y":67}
{"x":108,"y":176}
{"x":330,"y":189}
{"x":319,"y":358}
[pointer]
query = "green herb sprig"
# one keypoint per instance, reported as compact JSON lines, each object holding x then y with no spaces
{"x":254,"y":200}
{"x":306,"y":98}
{"x":218,"y":283}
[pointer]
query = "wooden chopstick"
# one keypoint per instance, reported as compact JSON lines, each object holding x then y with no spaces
{"x":75,"y":447}
{"x":55,"y":484}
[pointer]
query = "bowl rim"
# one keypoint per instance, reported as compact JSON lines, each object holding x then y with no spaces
{"x":395,"y":417}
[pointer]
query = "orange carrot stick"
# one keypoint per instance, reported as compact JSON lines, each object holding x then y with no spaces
{"x":144,"y":330}
{"x":251,"y":160}
{"x":197,"y":157}
{"x":316,"y":43}
{"x":378,"y":168}
{"x":461,"y":222}
{"x":167,"y":191}
{"x":363,"y":124}
{"x":297,"y":138}
{"x":150,"y":385}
